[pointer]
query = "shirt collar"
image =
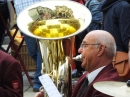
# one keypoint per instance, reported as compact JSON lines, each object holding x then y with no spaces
{"x":91,"y":76}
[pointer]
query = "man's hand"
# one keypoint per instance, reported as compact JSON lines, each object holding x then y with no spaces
{"x":39,"y":94}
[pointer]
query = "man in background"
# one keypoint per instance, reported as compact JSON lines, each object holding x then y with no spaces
{"x":95,"y":24}
{"x":31,"y":43}
{"x":116,"y":20}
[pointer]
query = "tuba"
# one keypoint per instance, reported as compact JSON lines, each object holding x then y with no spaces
{"x":54,"y":25}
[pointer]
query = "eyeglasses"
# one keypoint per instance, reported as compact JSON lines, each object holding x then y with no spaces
{"x":85,"y":45}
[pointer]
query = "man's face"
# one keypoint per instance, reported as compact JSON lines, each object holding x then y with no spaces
{"x":89,"y":52}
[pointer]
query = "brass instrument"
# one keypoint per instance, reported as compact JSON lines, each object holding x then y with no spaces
{"x":54,"y":24}
{"x":56,"y":64}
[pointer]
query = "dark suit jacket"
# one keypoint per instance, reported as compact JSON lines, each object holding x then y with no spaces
{"x":108,"y":73}
{"x":11,"y":81}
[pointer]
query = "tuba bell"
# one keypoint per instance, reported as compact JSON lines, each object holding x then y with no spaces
{"x":54,"y":25}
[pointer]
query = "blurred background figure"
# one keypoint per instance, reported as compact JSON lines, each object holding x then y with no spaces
{"x":116,"y":20}
{"x":11,"y":79}
{"x":31,"y":43}
{"x":78,"y":70}
{"x":93,"y":5}
{"x":95,"y":24}
{"x":5,"y":13}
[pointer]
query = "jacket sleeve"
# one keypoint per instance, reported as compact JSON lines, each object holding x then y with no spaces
{"x":124,"y":23}
{"x":12,"y":82}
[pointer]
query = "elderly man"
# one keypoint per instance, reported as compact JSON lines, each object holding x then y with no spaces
{"x":97,"y":49}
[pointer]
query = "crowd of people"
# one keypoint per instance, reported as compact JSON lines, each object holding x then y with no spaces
{"x":95,"y":24}
{"x":107,"y":34}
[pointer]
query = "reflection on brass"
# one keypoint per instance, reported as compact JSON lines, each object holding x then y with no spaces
{"x":54,"y":28}
{"x":53,"y":23}
{"x":56,"y":64}
{"x":45,"y":13}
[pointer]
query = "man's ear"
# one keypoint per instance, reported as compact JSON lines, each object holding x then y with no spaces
{"x":101,"y":49}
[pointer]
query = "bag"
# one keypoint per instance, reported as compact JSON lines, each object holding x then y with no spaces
{"x":4,"y":9}
{"x":121,"y":64}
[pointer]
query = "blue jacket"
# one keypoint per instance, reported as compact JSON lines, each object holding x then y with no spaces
{"x":93,"y":5}
{"x":116,"y":20}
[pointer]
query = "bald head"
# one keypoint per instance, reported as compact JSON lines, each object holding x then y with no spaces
{"x":104,"y":37}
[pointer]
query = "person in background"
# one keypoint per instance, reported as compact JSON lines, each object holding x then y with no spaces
{"x":31,"y":43}
{"x":2,"y":34}
{"x":95,"y":24}
{"x":5,"y":14}
{"x":97,"y":49}
{"x":116,"y":20}
{"x":93,"y":5}
{"x":11,"y":80}
{"x":78,"y":70}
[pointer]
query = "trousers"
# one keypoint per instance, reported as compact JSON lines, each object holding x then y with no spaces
{"x":34,"y":52}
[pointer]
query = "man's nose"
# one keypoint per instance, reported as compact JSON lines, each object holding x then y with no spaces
{"x":80,"y":50}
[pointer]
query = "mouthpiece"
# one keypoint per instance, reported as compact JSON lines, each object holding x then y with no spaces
{"x":78,"y":58}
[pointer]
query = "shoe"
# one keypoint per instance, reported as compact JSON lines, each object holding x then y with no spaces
{"x":35,"y":90}
{"x":36,"y":87}
{"x":77,"y":74}
{"x":32,"y":76}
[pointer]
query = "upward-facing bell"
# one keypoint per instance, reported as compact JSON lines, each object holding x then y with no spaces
{"x":79,"y":11}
